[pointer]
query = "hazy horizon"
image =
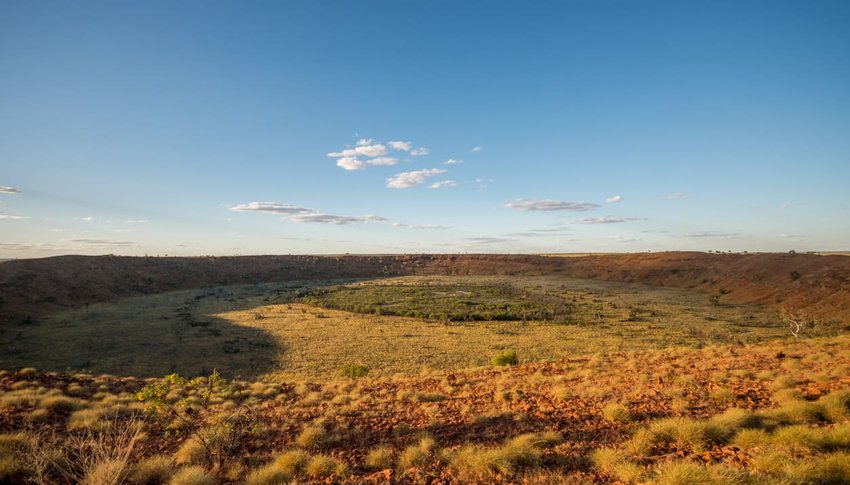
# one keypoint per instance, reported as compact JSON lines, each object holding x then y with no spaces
{"x":217,"y":128}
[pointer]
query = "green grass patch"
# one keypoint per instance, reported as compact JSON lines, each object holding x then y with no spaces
{"x":452,"y":303}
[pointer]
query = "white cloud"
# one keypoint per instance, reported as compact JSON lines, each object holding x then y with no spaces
{"x":443,"y":184}
{"x":792,"y":236}
{"x":614,"y":199}
{"x":419,"y":152}
{"x":420,"y":226}
{"x":623,"y":239}
{"x":11,"y":217}
{"x":136,"y":221}
{"x":404,"y":146}
{"x":785,"y":205}
{"x":452,"y":161}
{"x":101,"y":242}
{"x":676,"y":196}
{"x":365,"y":141}
{"x":383,"y":161}
{"x":483,"y":183}
{"x":362,"y":150}
{"x":372,"y":150}
{"x":527,"y":205}
{"x":319,"y":218}
{"x":476,"y":149}
{"x":86,"y":218}
{"x":607,"y":220}
{"x":271,"y":208}
{"x":5,"y":189}
{"x":406,"y":180}
{"x":548,"y":232}
{"x":302,"y":214}
{"x":480,"y":241}
{"x":350,"y":163}
{"x":720,"y":235}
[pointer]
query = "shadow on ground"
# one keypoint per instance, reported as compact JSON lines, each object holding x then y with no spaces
{"x":155,"y":335}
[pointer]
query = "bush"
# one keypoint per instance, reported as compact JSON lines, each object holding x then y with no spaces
{"x":506,"y":357}
{"x":353,"y":371}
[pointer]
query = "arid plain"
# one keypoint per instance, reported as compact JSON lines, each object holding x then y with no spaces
{"x":630,"y":368}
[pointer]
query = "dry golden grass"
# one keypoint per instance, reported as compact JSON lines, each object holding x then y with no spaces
{"x":193,"y":332}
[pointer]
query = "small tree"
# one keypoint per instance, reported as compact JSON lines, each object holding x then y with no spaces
{"x":221,"y":437}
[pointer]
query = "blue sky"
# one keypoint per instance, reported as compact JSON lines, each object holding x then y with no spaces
{"x":188,"y":128}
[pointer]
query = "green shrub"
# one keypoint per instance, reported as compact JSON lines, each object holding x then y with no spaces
{"x":506,"y":357}
{"x":354,"y":371}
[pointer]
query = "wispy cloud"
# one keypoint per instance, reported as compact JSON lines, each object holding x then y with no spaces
{"x":419,"y":152}
{"x":452,"y":161}
{"x":476,"y":149}
{"x":484,"y":240}
{"x":443,"y":184}
{"x":483,"y":183}
{"x":11,"y":217}
{"x":136,"y":221}
{"x":406,"y":180}
{"x":383,"y":161}
{"x":792,"y":236}
{"x":420,"y":226}
{"x":271,"y":208}
{"x":785,"y":205}
{"x":527,"y":205}
{"x":675,"y":196}
{"x":5,"y":189}
{"x":300,"y":214}
{"x":614,"y":199}
{"x":714,"y":234}
{"x":624,"y":239}
{"x":607,"y":220}
{"x":402,"y":146}
{"x":101,"y":242}
{"x":319,"y":218}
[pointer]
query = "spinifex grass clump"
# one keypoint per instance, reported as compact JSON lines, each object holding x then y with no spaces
{"x":798,"y":442}
{"x":455,"y":303}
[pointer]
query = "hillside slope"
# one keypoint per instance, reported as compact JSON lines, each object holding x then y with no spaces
{"x":817,"y":285}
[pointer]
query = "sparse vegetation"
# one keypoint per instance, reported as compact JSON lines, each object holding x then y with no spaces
{"x":505,"y":357}
{"x":649,"y":386}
